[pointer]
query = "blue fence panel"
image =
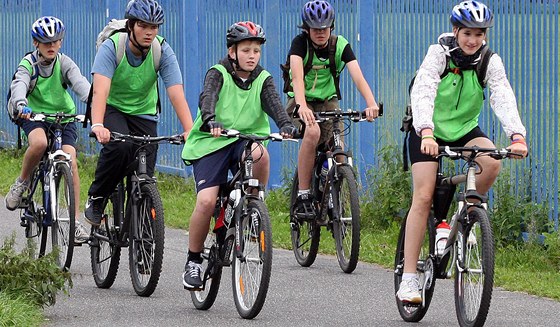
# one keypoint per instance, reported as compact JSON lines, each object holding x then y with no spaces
{"x":389,"y":38}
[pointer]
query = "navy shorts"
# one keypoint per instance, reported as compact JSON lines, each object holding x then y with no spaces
{"x":69,"y":132}
{"x":212,"y":169}
{"x":414,"y":142}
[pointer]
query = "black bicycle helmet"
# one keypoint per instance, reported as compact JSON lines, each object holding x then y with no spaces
{"x":148,"y":11}
{"x":317,"y":14}
{"x":244,"y":31}
{"x":472,"y":14}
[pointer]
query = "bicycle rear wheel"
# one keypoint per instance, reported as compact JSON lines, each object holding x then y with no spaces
{"x":424,"y":267}
{"x":146,"y":240}
{"x":105,"y":251}
{"x":252,"y":263}
{"x":346,"y":220}
{"x":305,"y":234}
{"x":63,"y":208}
{"x":474,"y":278}
{"x":212,"y":276}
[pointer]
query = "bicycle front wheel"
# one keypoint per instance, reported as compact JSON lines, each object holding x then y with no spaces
{"x":305,"y":234}
{"x":105,"y":251}
{"x":33,"y":217}
{"x":63,"y":208}
{"x":146,"y":238}
{"x":204,"y":299}
{"x":474,"y":275}
{"x":424,"y":267}
{"x":252,"y":263}
{"x":346,"y":222}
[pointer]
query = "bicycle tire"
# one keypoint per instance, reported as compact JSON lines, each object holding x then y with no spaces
{"x":411,"y":313}
{"x":473,"y":286}
{"x":204,"y":299}
{"x":145,"y":246}
{"x":305,"y":235}
{"x":252,"y":267}
{"x":63,"y":208}
{"x":106,"y":256}
{"x":346,"y":230}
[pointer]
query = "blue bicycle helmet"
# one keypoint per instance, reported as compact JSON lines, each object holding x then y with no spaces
{"x":317,"y":14}
{"x":244,"y":31}
{"x":47,"y":29}
{"x":148,"y":11}
{"x":472,"y":14}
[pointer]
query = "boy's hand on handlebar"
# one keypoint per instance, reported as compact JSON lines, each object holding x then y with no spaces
{"x":215,"y":128}
{"x":23,"y":112}
{"x":306,"y":115}
{"x":102,"y":134}
{"x":288,"y":131}
{"x":372,"y":112}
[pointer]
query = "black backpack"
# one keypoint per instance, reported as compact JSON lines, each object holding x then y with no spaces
{"x":480,"y":70}
{"x":309,"y":64}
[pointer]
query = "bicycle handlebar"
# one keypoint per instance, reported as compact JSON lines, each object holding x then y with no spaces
{"x":354,"y":115}
{"x":457,"y":152}
{"x":145,"y":139}
{"x":59,"y":116}
{"x":275,"y":137}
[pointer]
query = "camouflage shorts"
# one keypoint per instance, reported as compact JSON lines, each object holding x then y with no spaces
{"x":317,"y":106}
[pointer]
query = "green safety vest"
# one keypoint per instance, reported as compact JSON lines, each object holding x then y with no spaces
{"x":457,"y":105}
{"x":236,"y":109}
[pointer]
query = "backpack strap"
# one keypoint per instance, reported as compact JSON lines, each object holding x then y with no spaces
{"x":310,"y":53}
{"x":482,"y":66}
{"x":332,"y":64}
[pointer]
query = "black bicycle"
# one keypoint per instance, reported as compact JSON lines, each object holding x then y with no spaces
{"x":241,"y":236}
{"x":132,"y":219}
{"x":469,"y":252}
{"x":336,"y":201}
{"x":50,"y":201}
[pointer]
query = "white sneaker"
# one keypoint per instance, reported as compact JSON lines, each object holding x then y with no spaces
{"x":409,"y":291}
{"x":81,"y":234}
{"x":13,"y":198}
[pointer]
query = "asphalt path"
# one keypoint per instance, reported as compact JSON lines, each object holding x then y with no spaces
{"x":321,"y":295}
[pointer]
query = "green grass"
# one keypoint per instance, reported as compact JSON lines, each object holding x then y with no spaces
{"x":17,"y":310}
{"x":522,"y":267}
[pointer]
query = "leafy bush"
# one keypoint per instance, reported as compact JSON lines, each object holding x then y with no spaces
{"x":37,"y":279}
{"x":389,"y":194}
{"x":512,"y":215}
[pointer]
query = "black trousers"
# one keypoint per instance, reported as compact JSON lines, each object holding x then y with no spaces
{"x":117,"y":159}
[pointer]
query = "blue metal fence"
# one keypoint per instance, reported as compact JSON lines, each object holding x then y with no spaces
{"x":389,"y":37}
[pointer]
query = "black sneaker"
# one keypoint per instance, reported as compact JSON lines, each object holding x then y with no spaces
{"x":192,"y":280}
{"x":304,"y":207}
{"x":94,"y":210}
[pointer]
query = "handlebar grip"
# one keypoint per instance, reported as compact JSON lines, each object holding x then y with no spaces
{"x":26,"y":110}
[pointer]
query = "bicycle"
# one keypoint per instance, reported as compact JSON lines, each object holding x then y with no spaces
{"x":336,"y":201}
{"x":469,"y":252}
{"x":132,"y":219}
{"x":50,"y":201}
{"x":241,"y":237}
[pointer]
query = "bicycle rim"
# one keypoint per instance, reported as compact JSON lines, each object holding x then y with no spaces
{"x":305,"y":234}
{"x":146,"y":242}
{"x":63,"y":208}
{"x":424,"y":268}
{"x":204,"y":299}
{"x":346,"y":229}
{"x":252,"y":266}
{"x":105,"y":255}
{"x":474,"y":281}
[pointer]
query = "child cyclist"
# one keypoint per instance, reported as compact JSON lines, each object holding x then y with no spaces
{"x":54,"y":72}
{"x":445,"y":111}
{"x":238,"y":94}
{"x":317,"y":90}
